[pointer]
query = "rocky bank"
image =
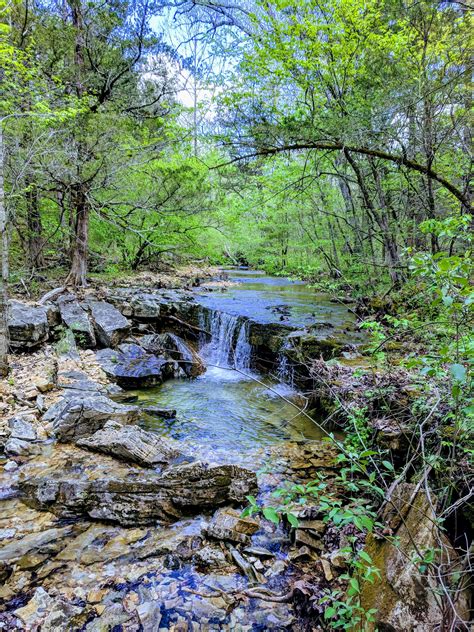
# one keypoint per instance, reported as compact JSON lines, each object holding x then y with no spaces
{"x":107,"y":526}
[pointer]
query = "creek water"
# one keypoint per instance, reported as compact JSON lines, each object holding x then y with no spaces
{"x":177,"y":577}
{"x":230,"y":410}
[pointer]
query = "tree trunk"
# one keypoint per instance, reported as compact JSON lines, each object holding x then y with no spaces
{"x":4,"y":271}
{"x":80,"y":204}
{"x":78,"y":274}
{"x":35,"y":228}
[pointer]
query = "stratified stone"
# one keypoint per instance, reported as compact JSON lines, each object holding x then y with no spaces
{"x":404,"y":598}
{"x":131,"y":443}
{"x":76,"y":417}
{"x":172,"y":346}
{"x":132,"y":367}
{"x":111,"y":327}
{"x":21,"y":429}
{"x":226,"y":524}
{"x":181,"y":490}
{"x":77,"y":319}
{"x":45,"y":613}
{"x":28,"y":325}
{"x":20,"y":447}
{"x":53,"y":539}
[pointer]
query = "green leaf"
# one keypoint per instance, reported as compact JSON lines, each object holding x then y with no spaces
{"x":329,"y":612}
{"x":270,"y":513}
{"x":458,"y":371}
{"x":388,"y":465}
{"x":293,"y":520}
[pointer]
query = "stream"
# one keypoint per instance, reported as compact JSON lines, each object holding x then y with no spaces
{"x":227,"y":413}
{"x":84,"y":573}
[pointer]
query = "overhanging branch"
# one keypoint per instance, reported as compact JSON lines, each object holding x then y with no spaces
{"x":366,"y":151}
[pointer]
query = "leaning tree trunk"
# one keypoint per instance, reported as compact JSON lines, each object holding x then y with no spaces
{"x":4,"y":270}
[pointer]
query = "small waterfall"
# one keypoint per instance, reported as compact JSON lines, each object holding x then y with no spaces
{"x":243,"y":349}
{"x":229,"y":345}
{"x":285,"y":370}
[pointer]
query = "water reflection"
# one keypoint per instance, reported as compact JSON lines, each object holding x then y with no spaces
{"x":223,"y":413}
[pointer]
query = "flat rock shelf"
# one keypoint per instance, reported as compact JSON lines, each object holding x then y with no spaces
{"x":122,"y":496}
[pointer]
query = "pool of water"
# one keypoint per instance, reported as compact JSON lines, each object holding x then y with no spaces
{"x":269,"y":299}
{"x":227,"y":415}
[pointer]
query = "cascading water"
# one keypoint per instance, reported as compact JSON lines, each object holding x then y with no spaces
{"x":285,"y":371}
{"x":228,"y":345}
{"x":243,"y":349}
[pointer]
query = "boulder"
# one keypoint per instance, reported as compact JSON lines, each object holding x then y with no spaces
{"x":66,"y":346}
{"x":21,"y":447}
{"x":133,"y":367}
{"x":28,"y":325}
{"x":226,"y":524}
{"x":76,"y":417}
{"x":21,"y":429}
{"x":152,"y":304}
{"x":131,"y":443}
{"x":77,"y":319}
{"x":138,"y":303}
{"x":141,"y":500}
{"x":109,"y":324}
{"x":172,"y":346}
{"x":405,"y":598}
{"x":78,"y":384}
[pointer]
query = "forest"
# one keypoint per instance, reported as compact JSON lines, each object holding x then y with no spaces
{"x":236,"y":315}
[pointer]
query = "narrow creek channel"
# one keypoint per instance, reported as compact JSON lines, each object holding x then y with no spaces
{"x":227,"y":413}
{"x":92,"y":571}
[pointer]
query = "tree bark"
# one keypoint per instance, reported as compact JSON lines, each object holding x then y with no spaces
{"x":398,"y":159}
{"x":4,"y":338}
{"x":35,"y":228}
{"x":80,"y":205}
{"x":78,"y":274}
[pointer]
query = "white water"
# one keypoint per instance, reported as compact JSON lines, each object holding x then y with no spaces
{"x":228,"y":346}
{"x":285,"y":371}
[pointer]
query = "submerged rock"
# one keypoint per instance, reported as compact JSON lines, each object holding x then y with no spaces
{"x":131,"y":443}
{"x":156,"y":411}
{"x":111,"y":327}
{"x":132,"y":367}
{"x":79,"y":416}
{"x":181,"y":490}
{"x":34,"y":544}
{"x":44,"y":613}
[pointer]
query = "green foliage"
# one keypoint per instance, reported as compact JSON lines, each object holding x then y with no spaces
{"x":342,"y":501}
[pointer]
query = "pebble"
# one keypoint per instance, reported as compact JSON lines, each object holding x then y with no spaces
{"x":10,"y":466}
{"x":327,"y":569}
{"x":277,"y":568}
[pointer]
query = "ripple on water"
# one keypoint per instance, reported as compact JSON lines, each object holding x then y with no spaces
{"x":226,"y":416}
